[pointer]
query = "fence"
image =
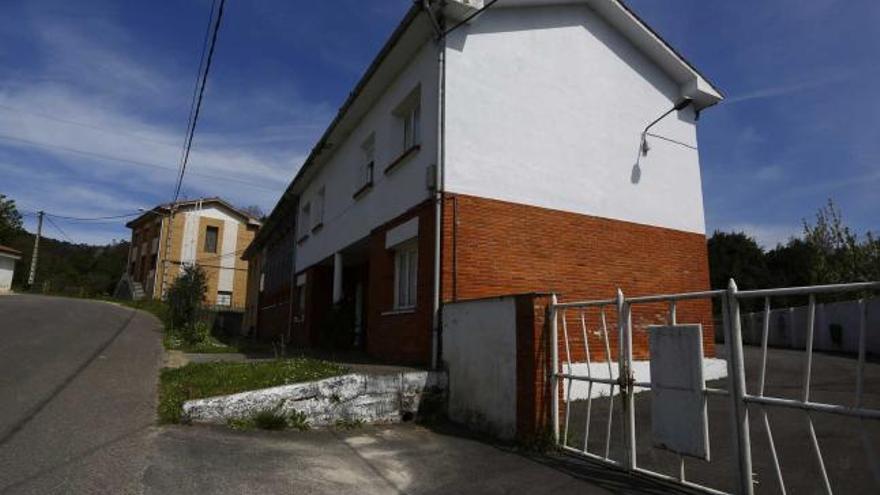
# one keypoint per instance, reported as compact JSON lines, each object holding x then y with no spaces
{"x":603,"y":314}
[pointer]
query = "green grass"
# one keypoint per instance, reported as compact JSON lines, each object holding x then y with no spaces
{"x":212,"y":345}
{"x":199,"y":380}
{"x":271,"y":419}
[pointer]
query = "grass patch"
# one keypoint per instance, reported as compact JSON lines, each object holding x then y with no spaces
{"x":200,"y":380}
{"x":271,"y":419}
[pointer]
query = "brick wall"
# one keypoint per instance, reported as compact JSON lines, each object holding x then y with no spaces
{"x":494,"y":248}
{"x":405,"y":337}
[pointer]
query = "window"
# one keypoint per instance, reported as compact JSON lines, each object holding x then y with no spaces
{"x":211,"y":234}
{"x":305,"y":215}
{"x":318,"y":217}
{"x":224,"y":298}
{"x":365,"y":167}
{"x":405,"y":275}
{"x":412,"y":126}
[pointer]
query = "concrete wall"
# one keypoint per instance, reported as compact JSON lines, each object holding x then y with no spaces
{"x":479,"y":350}
{"x":348,"y":219}
{"x":7,"y":268}
{"x":788,"y":327}
{"x":358,"y":397}
{"x":545,"y":106}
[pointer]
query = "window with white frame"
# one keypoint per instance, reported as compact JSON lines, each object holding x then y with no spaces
{"x":409,"y":115}
{"x":412,"y":126}
{"x":406,"y":265}
{"x":367,"y":163}
{"x":224,"y":298}
{"x":318,"y":214}
{"x":305,"y":215}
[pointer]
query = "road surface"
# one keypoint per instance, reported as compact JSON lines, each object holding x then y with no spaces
{"x":77,"y":415}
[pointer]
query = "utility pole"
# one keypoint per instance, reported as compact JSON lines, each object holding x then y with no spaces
{"x":167,"y":255}
{"x":33,"y":273}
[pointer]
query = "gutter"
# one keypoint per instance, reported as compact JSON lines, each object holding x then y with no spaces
{"x":440,"y":178}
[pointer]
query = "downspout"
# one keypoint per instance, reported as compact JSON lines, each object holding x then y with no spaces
{"x":438,"y":180}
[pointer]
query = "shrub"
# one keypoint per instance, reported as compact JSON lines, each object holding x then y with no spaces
{"x":185,"y":300}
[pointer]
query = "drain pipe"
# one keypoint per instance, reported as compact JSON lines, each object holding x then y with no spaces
{"x":439,"y":178}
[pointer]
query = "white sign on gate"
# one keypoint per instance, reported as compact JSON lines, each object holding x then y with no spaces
{"x":678,"y":407}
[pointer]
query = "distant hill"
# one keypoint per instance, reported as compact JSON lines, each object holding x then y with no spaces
{"x":75,"y":269}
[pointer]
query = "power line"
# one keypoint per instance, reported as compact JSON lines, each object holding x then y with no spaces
{"x":195,"y":118}
{"x":59,"y":229}
{"x":192,"y":103}
{"x":82,"y":124}
{"x":101,"y":156}
{"x":94,"y":219}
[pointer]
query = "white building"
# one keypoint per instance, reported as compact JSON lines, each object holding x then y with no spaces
{"x":504,"y":155}
{"x":8,"y":257}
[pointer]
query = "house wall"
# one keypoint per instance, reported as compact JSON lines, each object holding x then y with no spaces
{"x":494,"y":248}
{"x":7,"y":269}
{"x":545,"y":106}
{"x":346,"y":219}
{"x":225,"y":269}
{"x":401,"y":337}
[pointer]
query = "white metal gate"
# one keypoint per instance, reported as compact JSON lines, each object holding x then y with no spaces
{"x":562,"y":314}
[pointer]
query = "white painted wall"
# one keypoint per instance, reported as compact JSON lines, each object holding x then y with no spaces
{"x":347,"y":220}
{"x":226,"y":250}
{"x":788,"y":327}
{"x":479,"y":348}
{"x":7,"y":269}
{"x":546,"y":105}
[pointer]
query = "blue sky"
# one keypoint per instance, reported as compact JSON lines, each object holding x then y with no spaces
{"x":79,"y":79}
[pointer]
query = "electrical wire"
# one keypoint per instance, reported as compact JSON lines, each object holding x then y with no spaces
{"x":87,"y":126}
{"x":94,"y":219}
{"x":138,"y":163}
{"x":59,"y":229}
{"x":198,"y":107}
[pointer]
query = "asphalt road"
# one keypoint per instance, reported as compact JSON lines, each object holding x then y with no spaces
{"x":847,"y":444}
{"x":77,"y":415}
{"x":78,"y":387}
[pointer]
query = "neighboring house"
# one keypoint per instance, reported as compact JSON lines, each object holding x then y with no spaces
{"x":8,"y":257}
{"x":209,"y":232}
{"x":506,"y":158}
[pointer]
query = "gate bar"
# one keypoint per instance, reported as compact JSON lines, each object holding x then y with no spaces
{"x":737,"y":378}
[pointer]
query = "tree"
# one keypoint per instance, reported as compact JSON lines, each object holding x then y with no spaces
{"x":185,"y":300}
{"x":736,"y":255}
{"x":10,"y":220}
{"x":254,"y":211}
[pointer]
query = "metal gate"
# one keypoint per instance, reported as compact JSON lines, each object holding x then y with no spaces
{"x":569,"y":319}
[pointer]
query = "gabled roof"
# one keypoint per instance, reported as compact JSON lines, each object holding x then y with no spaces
{"x":165,"y":208}
{"x":417,"y":28}
{"x":9,"y":252}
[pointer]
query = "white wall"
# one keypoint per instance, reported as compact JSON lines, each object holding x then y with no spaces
{"x":546,"y":105}
{"x":227,"y":245}
{"x":7,"y":268}
{"x":347,"y":220}
{"x":788,"y":327}
{"x":479,"y":349}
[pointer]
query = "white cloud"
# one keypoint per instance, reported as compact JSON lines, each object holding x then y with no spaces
{"x":99,"y":94}
{"x":786,"y":89}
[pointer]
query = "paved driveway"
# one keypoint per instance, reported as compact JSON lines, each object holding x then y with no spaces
{"x":77,"y":415}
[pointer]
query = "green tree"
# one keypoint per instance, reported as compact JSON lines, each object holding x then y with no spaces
{"x":10,"y":220}
{"x":185,"y":300}
{"x":736,"y":255}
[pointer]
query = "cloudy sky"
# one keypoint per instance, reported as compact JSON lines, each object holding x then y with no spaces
{"x":94,"y":98}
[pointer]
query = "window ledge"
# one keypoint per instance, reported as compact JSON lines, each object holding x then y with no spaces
{"x":363,"y":190}
{"x":401,"y":311}
{"x":318,"y":227}
{"x":402,"y":158}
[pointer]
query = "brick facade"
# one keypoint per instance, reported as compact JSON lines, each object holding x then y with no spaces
{"x":401,"y":337}
{"x":494,"y":248}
